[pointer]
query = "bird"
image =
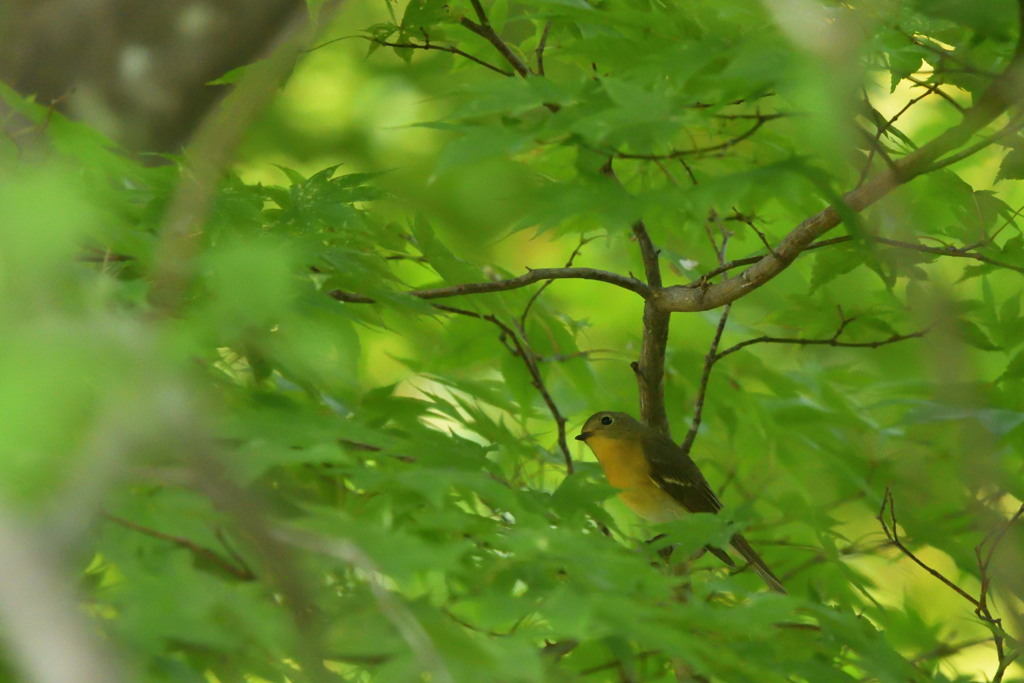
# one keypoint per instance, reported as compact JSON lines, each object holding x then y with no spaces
{"x":658,"y":480}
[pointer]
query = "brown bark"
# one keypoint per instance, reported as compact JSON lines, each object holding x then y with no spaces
{"x":138,"y":71}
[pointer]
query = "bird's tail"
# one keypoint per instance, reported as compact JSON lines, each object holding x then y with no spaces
{"x":762,"y":570}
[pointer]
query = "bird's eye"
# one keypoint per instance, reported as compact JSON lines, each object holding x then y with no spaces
{"x":606,"y":420}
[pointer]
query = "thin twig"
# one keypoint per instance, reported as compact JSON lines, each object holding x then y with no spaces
{"x":540,"y":290}
{"x":710,"y":358}
{"x":943,"y":53}
{"x":235,"y":555}
{"x":440,"y":48}
{"x":639,"y":657}
{"x":562,"y":357}
{"x":711,"y":236}
{"x":27,"y":135}
{"x":103,"y":256}
{"x":820,"y":556}
{"x":982,"y":608}
{"x":535,"y":275}
{"x":831,"y":341}
{"x":930,"y":89}
{"x":877,"y":146}
{"x":938,"y":91}
{"x":943,"y":650}
{"x":689,"y":171}
{"x":703,"y":150}
{"x":480,"y":13}
{"x":705,"y":278}
{"x":540,"y":48}
{"x":522,"y":349}
{"x":891,"y":532}
{"x":955,"y":252}
{"x":239,"y":571}
{"x":875,"y":141}
{"x":487,"y":32}
{"x":1006,"y":223}
{"x":661,"y":167}
{"x":996,"y":537}
{"x":749,"y":222}
{"x":1010,"y":129}
{"x":750,"y":117}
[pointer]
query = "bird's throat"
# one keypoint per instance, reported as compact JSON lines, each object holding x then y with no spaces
{"x":622,"y":460}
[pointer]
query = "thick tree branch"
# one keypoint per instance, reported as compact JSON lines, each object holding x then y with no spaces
{"x":280,"y":569}
{"x":404,"y":621}
{"x":207,"y":155}
{"x":48,"y":636}
{"x":705,"y":278}
{"x":649,"y":254}
{"x":538,"y":275}
{"x":1002,"y":94}
{"x":650,"y":367}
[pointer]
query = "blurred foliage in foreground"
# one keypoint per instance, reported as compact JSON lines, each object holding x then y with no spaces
{"x":266,"y":477}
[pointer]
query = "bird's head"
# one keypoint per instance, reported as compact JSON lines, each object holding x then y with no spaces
{"x":610,"y":425}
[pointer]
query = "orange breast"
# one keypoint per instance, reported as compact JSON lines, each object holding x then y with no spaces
{"x":626,"y":468}
{"x":623,"y":461}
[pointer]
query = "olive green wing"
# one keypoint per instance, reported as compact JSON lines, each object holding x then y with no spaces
{"x":678,"y":475}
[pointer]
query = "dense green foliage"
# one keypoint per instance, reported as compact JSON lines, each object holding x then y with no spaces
{"x":262,"y":458}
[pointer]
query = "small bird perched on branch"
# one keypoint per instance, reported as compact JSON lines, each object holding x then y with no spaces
{"x":658,"y":481}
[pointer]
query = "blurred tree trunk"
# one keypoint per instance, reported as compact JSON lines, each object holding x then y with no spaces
{"x":135,"y":69}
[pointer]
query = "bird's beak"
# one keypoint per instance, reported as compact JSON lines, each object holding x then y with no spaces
{"x":584,"y":436}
